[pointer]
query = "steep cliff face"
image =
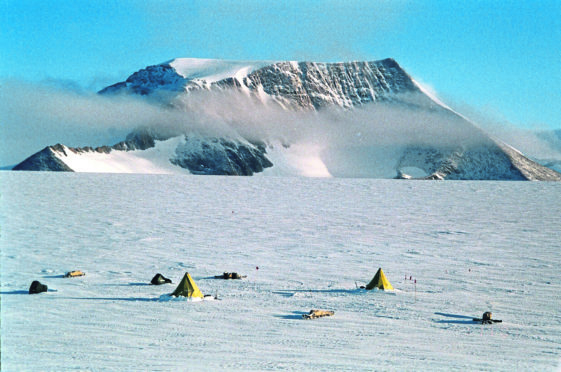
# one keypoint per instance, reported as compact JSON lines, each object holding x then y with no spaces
{"x":220,"y":156}
{"x":308,"y":87}
{"x":296,"y":85}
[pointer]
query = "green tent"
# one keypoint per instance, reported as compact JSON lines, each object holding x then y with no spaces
{"x":187,"y":288}
{"x":380,"y":281}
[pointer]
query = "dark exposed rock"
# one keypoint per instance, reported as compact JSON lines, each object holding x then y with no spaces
{"x":44,"y":160}
{"x":149,"y":80}
{"x":220,"y":157}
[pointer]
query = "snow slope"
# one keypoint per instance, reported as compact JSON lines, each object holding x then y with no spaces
{"x":471,"y":246}
{"x":212,"y":70}
{"x":154,"y":160}
{"x":296,"y":160}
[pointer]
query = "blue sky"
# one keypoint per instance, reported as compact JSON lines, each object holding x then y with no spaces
{"x":498,"y":57}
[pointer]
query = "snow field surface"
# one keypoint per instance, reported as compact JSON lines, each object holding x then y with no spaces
{"x":212,"y":70}
{"x":471,"y":246}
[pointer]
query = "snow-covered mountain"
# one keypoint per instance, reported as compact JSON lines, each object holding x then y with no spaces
{"x":145,"y":152}
{"x":458,"y":150}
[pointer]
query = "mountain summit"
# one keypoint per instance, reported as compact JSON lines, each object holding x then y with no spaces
{"x":351,"y":119}
{"x":297,"y":85}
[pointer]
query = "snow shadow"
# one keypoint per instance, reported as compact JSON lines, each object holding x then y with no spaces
{"x":21,"y":292}
{"x":13,"y":292}
{"x":466,"y":319}
{"x":454,"y":316}
{"x":294,"y":315}
{"x":292,"y":292}
{"x":126,"y":285}
{"x":133,"y":299}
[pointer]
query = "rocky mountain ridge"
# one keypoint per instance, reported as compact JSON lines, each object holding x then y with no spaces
{"x":296,"y":85}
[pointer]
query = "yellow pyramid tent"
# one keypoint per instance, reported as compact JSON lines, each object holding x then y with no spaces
{"x":187,"y":288}
{"x":380,"y":281}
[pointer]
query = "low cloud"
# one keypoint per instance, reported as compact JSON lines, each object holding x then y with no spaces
{"x":412,"y":121}
{"x":539,"y":143}
{"x":38,"y":115}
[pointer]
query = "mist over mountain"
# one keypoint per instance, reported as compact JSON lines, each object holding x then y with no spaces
{"x":539,"y":145}
{"x":553,"y":139}
{"x":355,"y":119}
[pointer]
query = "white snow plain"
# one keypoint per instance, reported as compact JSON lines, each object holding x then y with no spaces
{"x":471,"y":246}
